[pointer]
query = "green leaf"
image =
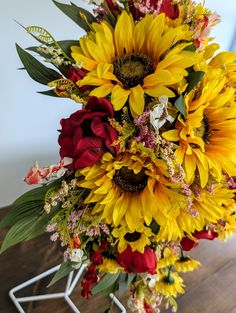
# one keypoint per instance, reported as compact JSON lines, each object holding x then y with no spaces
{"x":49,"y":92}
{"x":65,"y":45}
{"x":107,"y":281}
{"x":190,"y":48}
{"x":124,"y":281}
{"x":36,"y":70}
{"x":193,"y":79}
{"x":80,"y":16}
{"x":180,"y":105}
{"x":154,"y":227}
{"x":25,"y":229}
{"x":30,"y":203}
{"x":64,"y":270}
{"x":130,"y":278}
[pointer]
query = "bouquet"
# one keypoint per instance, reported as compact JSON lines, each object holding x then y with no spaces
{"x":147,"y":165}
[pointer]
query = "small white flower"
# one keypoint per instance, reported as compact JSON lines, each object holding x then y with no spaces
{"x":79,"y":64}
{"x":150,"y":280}
{"x":159,"y":114}
{"x":76,"y":256}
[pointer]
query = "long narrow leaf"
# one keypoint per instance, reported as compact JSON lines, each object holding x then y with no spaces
{"x":63,"y":271}
{"x":80,"y":16}
{"x":36,"y":70}
{"x":30,"y":203}
{"x":25,"y":229}
{"x":107,"y":281}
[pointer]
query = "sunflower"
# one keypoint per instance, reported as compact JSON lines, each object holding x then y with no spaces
{"x":130,"y":190}
{"x":209,"y":208}
{"x":169,"y":258}
{"x":138,"y":239}
{"x":128,"y":62}
{"x":170,"y":284}
{"x":206,"y":137}
{"x":185,"y":264}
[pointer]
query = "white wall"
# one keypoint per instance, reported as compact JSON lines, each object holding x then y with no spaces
{"x":29,"y":121}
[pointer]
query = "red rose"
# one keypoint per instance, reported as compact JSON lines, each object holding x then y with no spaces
{"x":188,"y":244}
{"x":204,"y":234}
{"x":171,"y":10}
{"x":87,"y":134}
{"x":137,"y":262}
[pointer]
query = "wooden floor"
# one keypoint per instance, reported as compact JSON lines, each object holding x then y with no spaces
{"x":211,"y":289}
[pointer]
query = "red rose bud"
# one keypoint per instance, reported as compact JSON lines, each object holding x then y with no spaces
{"x":137,"y":262}
{"x":170,"y":10}
{"x":204,"y":234}
{"x":87,"y":134}
{"x":188,"y":244}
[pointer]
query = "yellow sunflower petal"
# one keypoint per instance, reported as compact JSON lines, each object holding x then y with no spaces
{"x":102,"y":91}
{"x":124,"y":34}
{"x":118,"y":97}
{"x":136,"y":100}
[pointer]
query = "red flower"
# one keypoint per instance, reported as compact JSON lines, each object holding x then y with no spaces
{"x":171,"y":10}
{"x":137,"y":262}
{"x":138,"y":9}
{"x":91,"y":274}
{"x":204,"y":234}
{"x":147,"y":307}
{"x":188,"y":244}
{"x":87,"y":134}
{"x":90,"y":279}
{"x":96,"y":257}
{"x":86,"y":285}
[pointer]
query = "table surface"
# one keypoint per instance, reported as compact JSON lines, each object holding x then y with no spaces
{"x":212,"y":288}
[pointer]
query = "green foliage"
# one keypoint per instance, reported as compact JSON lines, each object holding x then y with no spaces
{"x":107,"y":284}
{"x":25,"y":229}
{"x":193,"y":79}
{"x":124,"y":281}
{"x":154,"y":227}
{"x":64,"y":270}
{"x":36,"y":70}
{"x":27,"y":217}
{"x":180,"y":105}
{"x":80,"y":16}
{"x":49,"y":92}
{"x":29,"y":204}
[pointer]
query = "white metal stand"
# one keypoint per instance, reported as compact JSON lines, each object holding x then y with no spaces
{"x":70,"y":286}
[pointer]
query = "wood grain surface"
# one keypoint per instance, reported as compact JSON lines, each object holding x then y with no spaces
{"x":210,"y":289}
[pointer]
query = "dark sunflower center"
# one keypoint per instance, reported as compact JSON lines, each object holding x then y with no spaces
{"x":204,"y":130}
{"x":132,"y":69}
{"x":184,"y":259}
{"x":169,"y":280}
{"x":132,"y":237}
{"x":129,"y":181}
